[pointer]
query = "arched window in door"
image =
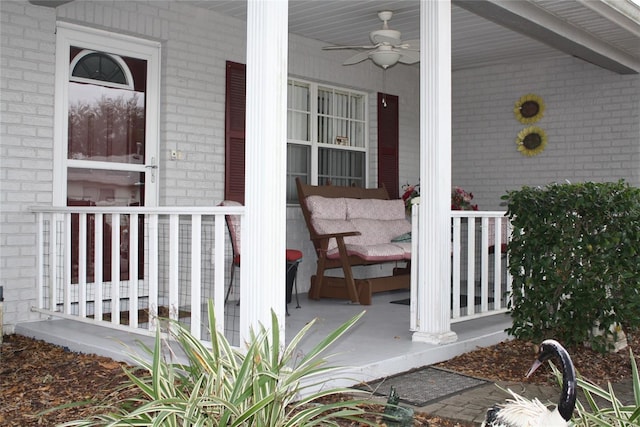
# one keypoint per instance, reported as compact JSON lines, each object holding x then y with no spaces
{"x":90,"y":65}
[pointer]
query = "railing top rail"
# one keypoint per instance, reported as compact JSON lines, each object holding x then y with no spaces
{"x":478,"y":214}
{"x":164,"y":210}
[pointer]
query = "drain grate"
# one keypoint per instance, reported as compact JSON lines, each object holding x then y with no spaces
{"x":422,"y":386}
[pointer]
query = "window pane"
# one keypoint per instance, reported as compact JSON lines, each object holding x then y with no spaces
{"x":325,"y":130}
{"x":342,"y":105}
{"x":325,"y":101}
{"x":298,"y":97}
{"x":298,"y":126}
{"x":357,"y":107}
{"x":356,"y":134}
{"x":298,"y":165}
{"x":98,"y":187}
{"x":106,"y":124}
{"x":341,"y":167}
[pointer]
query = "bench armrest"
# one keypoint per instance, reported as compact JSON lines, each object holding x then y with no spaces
{"x":342,"y":234}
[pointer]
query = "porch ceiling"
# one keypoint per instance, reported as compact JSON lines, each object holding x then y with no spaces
{"x":484,"y":32}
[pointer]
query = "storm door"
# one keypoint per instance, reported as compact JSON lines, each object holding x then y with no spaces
{"x":106,"y":145}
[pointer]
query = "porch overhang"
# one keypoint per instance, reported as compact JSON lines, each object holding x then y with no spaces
{"x":531,"y":21}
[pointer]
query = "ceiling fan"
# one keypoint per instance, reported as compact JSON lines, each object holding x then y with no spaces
{"x":387,"y":47}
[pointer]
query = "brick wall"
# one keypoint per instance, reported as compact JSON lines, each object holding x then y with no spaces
{"x":26,"y":147}
{"x":592,"y":121}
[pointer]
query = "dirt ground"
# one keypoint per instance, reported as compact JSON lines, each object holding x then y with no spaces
{"x":36,"y":377}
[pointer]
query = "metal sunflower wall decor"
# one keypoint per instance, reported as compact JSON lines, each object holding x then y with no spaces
{"x":529,"y":109}
{"x":531,"y":141}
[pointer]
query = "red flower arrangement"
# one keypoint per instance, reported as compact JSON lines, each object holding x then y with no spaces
{"x":461,"y":200}
{"x":410,"y":192}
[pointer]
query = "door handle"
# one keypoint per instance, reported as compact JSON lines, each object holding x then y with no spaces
{"x":153,"y":166}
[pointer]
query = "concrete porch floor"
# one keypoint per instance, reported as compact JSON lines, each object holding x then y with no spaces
{"x":378,"y":345}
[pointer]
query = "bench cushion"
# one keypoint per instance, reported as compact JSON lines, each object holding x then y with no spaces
{"x":374,"y":253}
{"x":375,"y":232}
{"x":327,"y":208}
{"x":375,"y":209}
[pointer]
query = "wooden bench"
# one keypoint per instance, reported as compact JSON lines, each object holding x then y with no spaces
{"x":353,"y":226}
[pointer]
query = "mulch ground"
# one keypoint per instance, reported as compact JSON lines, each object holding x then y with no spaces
{"x":36,"y":377}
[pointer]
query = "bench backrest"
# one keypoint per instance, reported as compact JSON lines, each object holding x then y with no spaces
{"x":333,"y":191}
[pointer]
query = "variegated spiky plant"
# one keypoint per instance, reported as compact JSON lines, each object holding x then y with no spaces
{"x":224,"y":386}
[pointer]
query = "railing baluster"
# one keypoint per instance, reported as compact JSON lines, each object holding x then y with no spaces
{"x":196,"y":276}
{"x":153,"y":272}
{"x":414,"y":320}
{"x":53,"y":261}
{"x":484,"y":265}
{"x":219,"y":269}
{"x":115,"y":268}
{"x":174,"y":273}
{"x":456,"y":252}
{"x":66,"y":282}
{"x":471,"y":266}
{"x":98,"y":270}
{"x":82,"y":265}
{"x":40,"y":258}
{"x":133,"y":270}
{"x":497,"y":263}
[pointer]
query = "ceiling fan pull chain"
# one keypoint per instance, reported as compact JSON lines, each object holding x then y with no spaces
{"x":384,"y":87}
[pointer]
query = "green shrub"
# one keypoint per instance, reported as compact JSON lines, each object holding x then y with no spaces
{"x":224,"y":386}
{"x":574,"y":258}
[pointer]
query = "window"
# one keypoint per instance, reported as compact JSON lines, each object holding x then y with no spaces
{"x":326,"y":136}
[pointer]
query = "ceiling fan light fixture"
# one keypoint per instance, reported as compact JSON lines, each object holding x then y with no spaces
{"x":385,"y":58}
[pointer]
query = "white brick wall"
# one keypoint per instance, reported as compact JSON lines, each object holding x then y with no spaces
{"x":592,"y":121}
{"x":26,"y":146}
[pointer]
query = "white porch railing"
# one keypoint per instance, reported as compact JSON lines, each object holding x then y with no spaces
{"x":121,"y":267}
{"x":480,"y":280}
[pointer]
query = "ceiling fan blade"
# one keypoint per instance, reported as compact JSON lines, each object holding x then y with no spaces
{"x":358,"y":57}
{"x":411,"y":44}
{"x":409,"y":57}
{"x":348,"y":47}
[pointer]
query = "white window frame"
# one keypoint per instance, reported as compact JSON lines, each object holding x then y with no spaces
{"x":313,"y":126}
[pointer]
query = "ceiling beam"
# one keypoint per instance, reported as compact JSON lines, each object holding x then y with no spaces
{"x":526,"y":18}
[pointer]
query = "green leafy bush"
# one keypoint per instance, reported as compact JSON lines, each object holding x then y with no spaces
{"x":575,"y":261}
{"x":263,"y":386}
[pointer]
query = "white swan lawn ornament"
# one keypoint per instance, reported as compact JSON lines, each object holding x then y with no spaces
{"x":521,"y":412}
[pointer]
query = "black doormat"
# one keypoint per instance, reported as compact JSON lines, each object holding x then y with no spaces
{"x":463,"y":301}
{"x":424,"y":385}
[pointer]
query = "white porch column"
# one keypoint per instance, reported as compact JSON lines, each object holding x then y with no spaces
{"x":434,"y":263}
{"x":264,"y":224}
